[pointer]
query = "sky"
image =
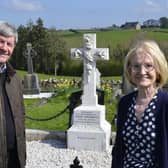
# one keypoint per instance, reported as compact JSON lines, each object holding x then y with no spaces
{"x":81,"y":14}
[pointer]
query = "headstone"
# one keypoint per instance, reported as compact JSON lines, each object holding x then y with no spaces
{"x":126,"y":86}
{"x":90,"y":130}
{"x":31,"y":83}
{"x":117,"y":91}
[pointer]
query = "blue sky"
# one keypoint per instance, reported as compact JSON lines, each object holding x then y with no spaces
{"x":65,"y":14}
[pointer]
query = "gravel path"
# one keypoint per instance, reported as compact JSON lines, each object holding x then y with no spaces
{"x":54,"y":154}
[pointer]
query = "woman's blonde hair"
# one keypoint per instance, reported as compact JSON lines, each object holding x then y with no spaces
{"x":149,"y":47}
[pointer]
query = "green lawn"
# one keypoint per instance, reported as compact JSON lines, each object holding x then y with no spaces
{"x":54,"y":106}
{"x":50,"y":107}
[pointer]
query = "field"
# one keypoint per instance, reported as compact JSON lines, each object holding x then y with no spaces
{"x":113,"y":38}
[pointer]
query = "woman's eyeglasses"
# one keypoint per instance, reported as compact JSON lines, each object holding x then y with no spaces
{"x":138,"y":67}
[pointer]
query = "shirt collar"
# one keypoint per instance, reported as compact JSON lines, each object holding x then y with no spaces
{"x":2,"y":68}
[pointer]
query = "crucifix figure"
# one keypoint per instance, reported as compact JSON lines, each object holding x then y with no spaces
{"x":30,"y":52}
{"x":89,"y":54}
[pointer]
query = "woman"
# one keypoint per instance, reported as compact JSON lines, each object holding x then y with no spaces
{"x":142,"y":118}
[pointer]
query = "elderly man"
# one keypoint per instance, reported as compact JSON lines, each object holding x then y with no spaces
{"x":12,"y":128}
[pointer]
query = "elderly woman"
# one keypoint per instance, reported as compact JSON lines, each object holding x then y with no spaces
{"x":142,"y":117}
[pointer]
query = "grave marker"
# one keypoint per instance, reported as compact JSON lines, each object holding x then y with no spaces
{"x":90,"y":130}
{"x":31,"y":83}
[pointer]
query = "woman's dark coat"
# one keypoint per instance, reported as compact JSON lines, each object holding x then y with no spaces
{"x":161,"y":151}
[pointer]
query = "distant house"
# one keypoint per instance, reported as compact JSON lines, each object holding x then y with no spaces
{"x":131,"y":25}
{"x":151,"y":23}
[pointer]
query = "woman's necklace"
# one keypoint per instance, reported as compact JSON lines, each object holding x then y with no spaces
{"x":140,"y":108}
{"x":141,"y":105}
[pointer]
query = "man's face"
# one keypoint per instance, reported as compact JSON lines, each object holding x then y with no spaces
{"x":7,"y":45}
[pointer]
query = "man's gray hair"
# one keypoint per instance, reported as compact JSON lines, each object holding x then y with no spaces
{"x":8,"y":30}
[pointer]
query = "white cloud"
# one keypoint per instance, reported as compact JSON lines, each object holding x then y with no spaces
{"x":26,"y":5}
{"x":152,"y":6}
{"x":166,"y":3}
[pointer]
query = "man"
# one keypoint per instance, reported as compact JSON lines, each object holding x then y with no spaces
{"x":12,"y":128}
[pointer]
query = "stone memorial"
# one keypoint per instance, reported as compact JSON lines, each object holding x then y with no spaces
{"x":126,"y":86}
{"x":90,"y":130}
{"x":31,"y":83}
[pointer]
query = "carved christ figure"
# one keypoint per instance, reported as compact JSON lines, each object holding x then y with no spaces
{"x":89,"y":54}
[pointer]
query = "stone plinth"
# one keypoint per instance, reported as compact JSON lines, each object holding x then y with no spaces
{"x":90,"y":130}
{"x":31,"y":84}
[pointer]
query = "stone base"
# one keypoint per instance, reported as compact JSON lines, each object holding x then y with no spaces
{"x":31,"y":91}
{"x":31,"y":84}
{"x":39,"y":95}
{"x":39,"y":135}
{"x":90,"y":130}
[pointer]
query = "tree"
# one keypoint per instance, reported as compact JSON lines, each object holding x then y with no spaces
{"x":18,"y":59}
{"x":34,"y":34}
{"x":56,"y":50}
{"x":164,"y":22}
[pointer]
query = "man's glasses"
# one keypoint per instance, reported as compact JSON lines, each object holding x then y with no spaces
{"x":137,"y":67}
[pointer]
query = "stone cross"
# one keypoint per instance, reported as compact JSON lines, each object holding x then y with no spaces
{"x":29,"y":53}
{"x":89,"y":54}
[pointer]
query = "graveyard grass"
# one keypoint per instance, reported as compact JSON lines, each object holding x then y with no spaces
{"x":55,"y":105}
{"x":48,"y":108}
{"x":45,"y":108}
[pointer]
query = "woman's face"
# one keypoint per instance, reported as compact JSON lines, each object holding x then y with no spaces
{"x":142,"y":71}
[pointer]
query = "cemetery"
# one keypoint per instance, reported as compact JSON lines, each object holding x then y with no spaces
{"x":71,"y":66}
{"x":88,"y":131}
{"x":71,"y":121}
